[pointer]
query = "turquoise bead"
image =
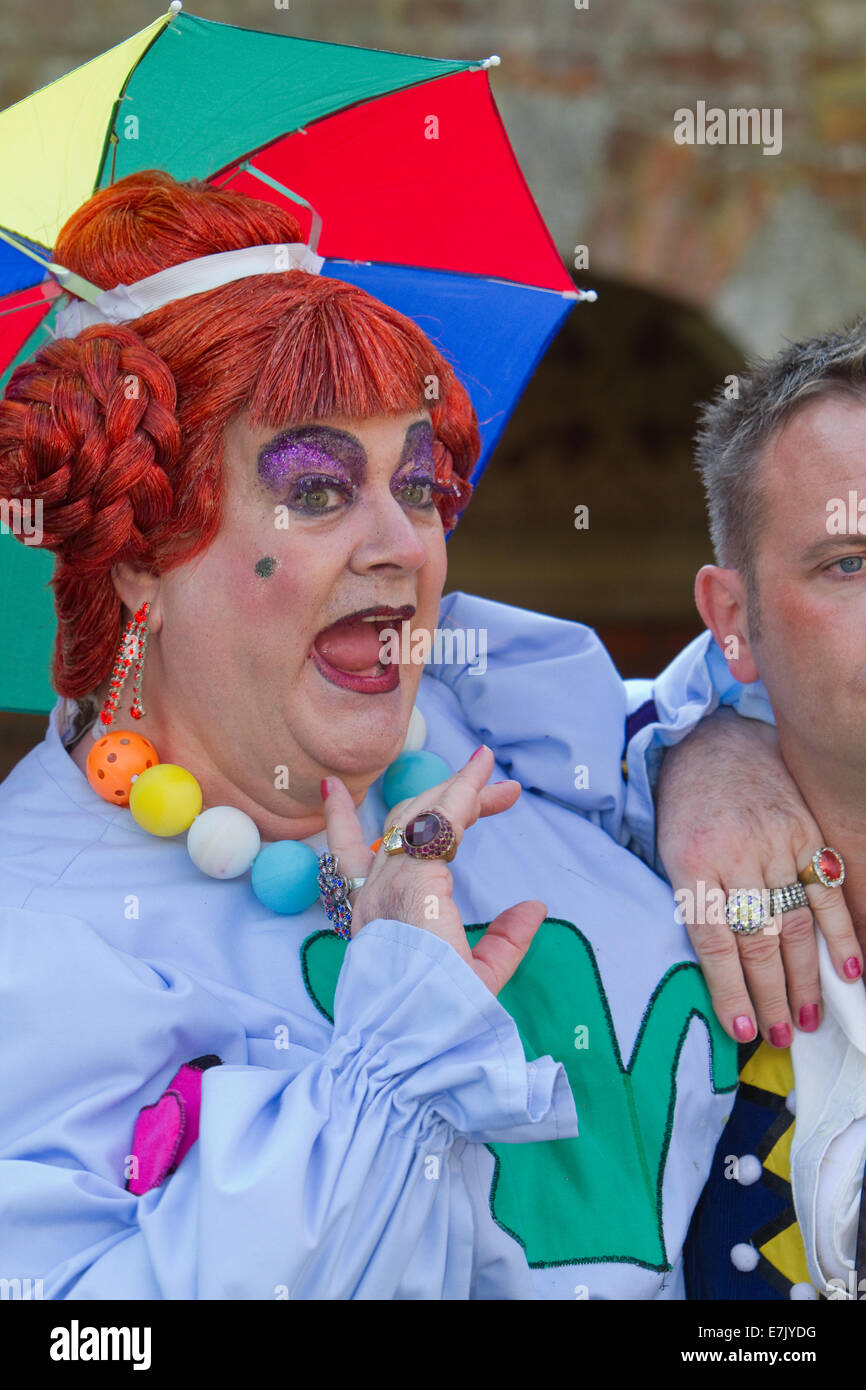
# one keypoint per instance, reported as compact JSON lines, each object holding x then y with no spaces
{"x":285,"y":876}
{"x":411,"y":774}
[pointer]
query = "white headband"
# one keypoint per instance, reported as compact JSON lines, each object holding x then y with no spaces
{"x":127,"y":302}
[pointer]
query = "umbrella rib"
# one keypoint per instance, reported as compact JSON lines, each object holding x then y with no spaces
{"x":25,"y":250}
{"x":121,"y":96}
{"x":31,"y":304}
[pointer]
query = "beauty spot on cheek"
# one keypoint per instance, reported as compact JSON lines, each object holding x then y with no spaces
{"x":266,"y":566}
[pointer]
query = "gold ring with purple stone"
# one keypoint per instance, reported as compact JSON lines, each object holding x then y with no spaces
{"x":429,"y":835}
{"x":826,"y":866}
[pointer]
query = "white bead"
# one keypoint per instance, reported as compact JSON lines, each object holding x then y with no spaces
{"x":744,"y":1258}
{"x":801,"y":1292}
{"x":748,"y":1169}
{"x":791,"y":1102}
{"x":416,"y":734}
{"x":223,"y":842}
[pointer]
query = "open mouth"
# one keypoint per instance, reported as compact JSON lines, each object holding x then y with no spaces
{"x":348,"y":652}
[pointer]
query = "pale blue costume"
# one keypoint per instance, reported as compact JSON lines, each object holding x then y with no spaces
{"x":351,"y":1160}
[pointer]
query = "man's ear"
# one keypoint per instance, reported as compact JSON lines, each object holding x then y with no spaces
{"x":135,"y":587}
{"x":721,"y":598}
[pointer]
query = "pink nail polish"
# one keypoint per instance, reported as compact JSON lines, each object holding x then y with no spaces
{"x":744,"y":1028}
{"x":780,"y":1035}
{"x":809,"y":1017}
{"x":852,"y":968}
{"x":479,"y":749}
{"x":324,"y":788}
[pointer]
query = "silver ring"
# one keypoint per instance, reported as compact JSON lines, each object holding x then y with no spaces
{"x":786,"y":899}
{"x":745,"y":911}
{"x":353,"y":883}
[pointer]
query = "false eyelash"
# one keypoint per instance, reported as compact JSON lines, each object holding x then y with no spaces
{"x":427,"y":481}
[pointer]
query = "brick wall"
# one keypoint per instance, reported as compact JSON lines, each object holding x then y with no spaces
{"x":703,"y":253}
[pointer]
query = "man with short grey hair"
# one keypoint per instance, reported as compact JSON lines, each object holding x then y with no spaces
{"x":783,"y":461}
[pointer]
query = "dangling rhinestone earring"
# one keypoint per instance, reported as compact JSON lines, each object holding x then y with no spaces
{"x":133,"y":646}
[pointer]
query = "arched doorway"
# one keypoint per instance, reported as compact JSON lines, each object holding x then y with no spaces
{"x":606,"y":423}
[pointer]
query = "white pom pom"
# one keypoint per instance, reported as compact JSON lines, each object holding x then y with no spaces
{"x":791,"y":1102}
{"x":748,"y":1169}
{"x":744,"y":1258}
{"x":416,"y":734}
{"x":802,"y":1292}
{"x":223,"y":842}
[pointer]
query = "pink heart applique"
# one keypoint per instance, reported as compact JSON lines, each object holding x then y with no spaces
{"x":156,"y":1140}
{"x":166,"y":1131}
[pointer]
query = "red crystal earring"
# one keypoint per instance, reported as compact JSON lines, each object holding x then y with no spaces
{"x":133,"y":646}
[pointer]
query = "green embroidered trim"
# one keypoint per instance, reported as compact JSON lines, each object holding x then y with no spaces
{"x":328,"y":951}
{"x":598,"y":1198}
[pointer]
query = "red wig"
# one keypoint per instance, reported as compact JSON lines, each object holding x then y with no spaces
{"x":119,"y":430}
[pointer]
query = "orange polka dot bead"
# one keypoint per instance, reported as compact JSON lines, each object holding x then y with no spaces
{"x":116,"y":760}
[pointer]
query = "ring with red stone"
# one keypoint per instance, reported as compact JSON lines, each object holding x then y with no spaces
{"x":827,"y":866}
{"x":429,"y":835}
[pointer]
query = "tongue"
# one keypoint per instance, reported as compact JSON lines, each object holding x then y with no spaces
{"x":351,"y":646}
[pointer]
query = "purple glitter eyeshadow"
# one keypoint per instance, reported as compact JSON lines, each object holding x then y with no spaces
{"x":306,"y":451}
{"x":319,"y":452}
{"x":419,"y":447}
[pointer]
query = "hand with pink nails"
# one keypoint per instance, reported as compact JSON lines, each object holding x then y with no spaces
{"x":418,"y":891}
{"x":761,"y":837}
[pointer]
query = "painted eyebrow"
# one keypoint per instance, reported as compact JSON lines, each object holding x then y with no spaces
{"x":324,"y":433}
{"x":329,"y":436}
{"x":420,"y":427}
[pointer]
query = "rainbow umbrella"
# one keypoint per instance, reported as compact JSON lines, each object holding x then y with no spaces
{"x":401,"y":173}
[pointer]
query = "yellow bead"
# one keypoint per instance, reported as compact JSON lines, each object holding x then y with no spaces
{"x":165,"y":799}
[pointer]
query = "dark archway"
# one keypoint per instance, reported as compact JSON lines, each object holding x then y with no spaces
{"x":607,"y":422}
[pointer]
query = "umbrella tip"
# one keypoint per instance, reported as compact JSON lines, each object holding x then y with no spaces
{"x":492,"y":62}
{"x":175,"y":7}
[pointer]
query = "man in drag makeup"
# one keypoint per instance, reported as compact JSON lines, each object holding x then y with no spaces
{"x":348,"y":1006}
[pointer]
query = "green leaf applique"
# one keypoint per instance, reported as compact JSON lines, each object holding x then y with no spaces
{"x":597,"y":1197}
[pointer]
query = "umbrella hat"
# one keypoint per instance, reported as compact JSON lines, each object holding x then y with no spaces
{"x":399,"y":170}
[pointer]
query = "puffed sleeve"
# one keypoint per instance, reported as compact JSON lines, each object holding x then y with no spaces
{"x":543,"y":693}
{"x":341,"y":1177}
{"x":662,"y":712}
